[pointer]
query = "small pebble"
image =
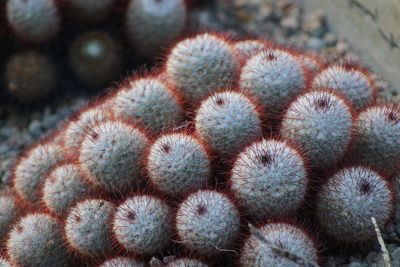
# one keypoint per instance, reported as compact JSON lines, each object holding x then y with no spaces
{"x":397,"y":227}
{"x":342,"y":47}
{"x":330,"y":262}
{"x":315,"y":43}
{"x":355,"y":257}
{"x":396,"y":254}
{"x":35,"y":128}
{"x":315,"y":23}
{"x":391,"y":247}
{"x":355,"y":264}
{"x":372,"y":257}
{"x":329,"y":39}
{"x":291,"y":24}
{"x":339,"y":259}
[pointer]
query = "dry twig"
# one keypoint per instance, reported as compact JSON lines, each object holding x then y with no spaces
{"x":385,"y":253}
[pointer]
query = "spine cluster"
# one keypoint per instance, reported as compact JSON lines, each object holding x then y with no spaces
{"x":179,"y":164}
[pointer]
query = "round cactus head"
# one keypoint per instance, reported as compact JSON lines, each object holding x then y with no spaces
{"x":30,"y":76}
{"x":93,"y":10}
{"x":122,"y":262}
{"x":65,"y":185}
{"x":33,"y":20}
{"x":354,"y":82}
{"x":227,"y":121}
{"x":396,"y":182}
{"x":112,"y":153}
{"x":79,"y":124}
{"x":280,"y":245}
{"x":378,"y":132}
{"x":11,"y":209}
{"x":321,"y":123}
{"x":269,"y":178}
{"x":36,"y":240}
{"x":88,"y":228}
{"x":95,"y":58}
{"x":177,"y":164}
{"x":150,"y":103}
{"x":349,"y":199}
{"x":201,"y":65}
{"x":154,"y":24}
{"x":207,"y":221}
{"x":33,"y":168}
{"x":309,"y":62}
{"x":143,"y":225}
{"x":247,"y":49}
{"x":186,"y":262}
{"x":273,"y":77}
{"x":5,"y":263}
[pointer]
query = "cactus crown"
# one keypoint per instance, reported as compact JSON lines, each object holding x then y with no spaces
{"x":354,"y":82}
{"x":226,"y":121}
{"x":266,"y":174}
{"x":207,"y":220}
{"x":273,"y":77}
{"x":201,"y":65}
{"x":321,"y":122}
{"x":349,"y":199}
{"x":378,"y":129}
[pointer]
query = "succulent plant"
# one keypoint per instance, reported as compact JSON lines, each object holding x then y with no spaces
{"x":33,"y":168}
{"x":186,"y":262}
{"x":5,"y":263}
{"x":112,"y":153}
{"x":76,"y":128}
{"x":95,"y":58}
{"x":273,"y":77}
{"x":310,"y":63}
{"x":153,"y":24}
{"x":269,"y":178}
{"x":148,"y":102}
{"x":10,"y":211}
{"x":201,"y":65}
{"x":349,"y":199}
{"x":247,"y":49}
{"x":143,"y":225}
{"x":227,"y":121}
{"x":378,"y":132}
{"x":30,"y":76}
{"x":321,"y":123}
{"x":282,"y":236}
{"x":88,"y":228}
{"x":33,"y":20}
{"x":122,"y":262}
{"x":178,"y":163}
{"x":207,"y":221}
{"x":354,"y":82}
{"x":64,"y":187}
{"x":36,"y":240}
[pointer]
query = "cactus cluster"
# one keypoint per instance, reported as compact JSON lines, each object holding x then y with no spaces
{"x":180,"y":163}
